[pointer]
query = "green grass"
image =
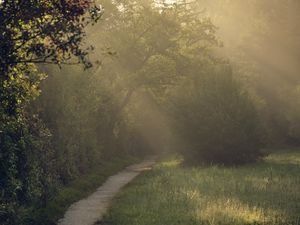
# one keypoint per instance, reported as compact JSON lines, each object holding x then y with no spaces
{"x":76,"y":190}
{"x":267,"y":192}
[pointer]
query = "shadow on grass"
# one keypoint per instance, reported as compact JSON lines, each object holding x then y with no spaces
{"x":264,"y":193}
{"x":269,"y":186}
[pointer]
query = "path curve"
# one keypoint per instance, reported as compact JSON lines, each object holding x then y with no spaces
{"x":91,"y":209}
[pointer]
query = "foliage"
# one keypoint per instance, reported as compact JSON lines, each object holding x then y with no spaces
{"x":26,"y":155}
{"x":217,"y":119}
{"x":76,"y":108}
{"x":151,"y":46}
{"x":74,"y":191}
{"x":43,"y":31}
{"x":32,"y":32}
{"x":268,"y":69}
{"x":291,"y":114}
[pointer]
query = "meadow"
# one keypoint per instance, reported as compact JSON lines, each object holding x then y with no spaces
{"x":264,"y":193}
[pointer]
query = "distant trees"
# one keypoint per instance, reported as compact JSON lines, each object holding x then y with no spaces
{"x":144,"y":51}
{"x":154,"y":46}
{"x":217,"y":118}
{"x":291,"y":114}
{"x":154,"y":58}
{"x":262,"y":44}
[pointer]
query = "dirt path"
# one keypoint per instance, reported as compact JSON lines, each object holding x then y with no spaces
{"x":91,"y":209}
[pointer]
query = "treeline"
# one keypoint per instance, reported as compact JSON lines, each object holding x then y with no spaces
{"x":261,"y":39}
{"x":159,"y":82}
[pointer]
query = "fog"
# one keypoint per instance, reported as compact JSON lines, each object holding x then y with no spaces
{"x":91,"y":86}
{"x":259,"y":39}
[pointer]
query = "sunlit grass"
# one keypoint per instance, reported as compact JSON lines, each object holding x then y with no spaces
{"x":267,"y":192}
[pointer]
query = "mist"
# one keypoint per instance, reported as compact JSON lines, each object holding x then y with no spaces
{"x":89,"y":86}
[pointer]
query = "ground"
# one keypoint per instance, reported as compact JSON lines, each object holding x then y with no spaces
{"x":267,"y":192}
{"x":89,"y":210}
{"x":78,"y":189}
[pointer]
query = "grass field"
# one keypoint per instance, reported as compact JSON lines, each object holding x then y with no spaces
{"x":266,"y":192}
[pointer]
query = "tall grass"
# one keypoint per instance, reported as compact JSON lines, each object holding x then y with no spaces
{"x":267,"y":192}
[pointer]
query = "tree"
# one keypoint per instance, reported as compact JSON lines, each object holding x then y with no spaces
{"x":153,"y":45}
{"x":32,"y":32}
{"x":43,"y":31}
{"x":217,"y":119}
{"x":267,"y":69}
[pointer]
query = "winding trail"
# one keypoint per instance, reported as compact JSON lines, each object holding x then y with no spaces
{"x":91,"y":209}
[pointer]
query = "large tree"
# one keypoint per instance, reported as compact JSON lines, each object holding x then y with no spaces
{"x":32,"y":32}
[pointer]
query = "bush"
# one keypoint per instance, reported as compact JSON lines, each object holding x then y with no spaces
{"x":217,"y":119}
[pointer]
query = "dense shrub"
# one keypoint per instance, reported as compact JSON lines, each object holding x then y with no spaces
{"x":217,"y":119}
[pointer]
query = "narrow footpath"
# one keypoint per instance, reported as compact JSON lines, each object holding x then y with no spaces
{"x":91,"y":209}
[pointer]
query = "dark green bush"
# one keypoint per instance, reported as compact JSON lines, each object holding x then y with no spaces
{"x":217,"y":119}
